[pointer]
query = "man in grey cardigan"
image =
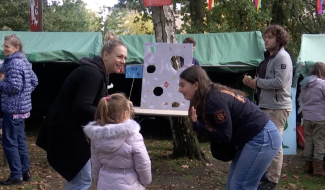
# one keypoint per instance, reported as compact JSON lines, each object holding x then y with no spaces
{"x":272,"y":91}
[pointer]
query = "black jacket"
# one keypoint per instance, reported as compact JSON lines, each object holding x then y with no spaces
{"x":234,"y":119}
{"x":61,"y":134}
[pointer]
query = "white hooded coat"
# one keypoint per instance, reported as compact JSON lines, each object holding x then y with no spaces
{"x":119,"y":158}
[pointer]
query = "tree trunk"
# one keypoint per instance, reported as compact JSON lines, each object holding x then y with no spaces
{"x":197,"y":17}
{"x":277,"y":13}
{"x":164,"y":24}
{"x":185,"y":142}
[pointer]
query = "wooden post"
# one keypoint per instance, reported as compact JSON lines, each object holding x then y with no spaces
{"x":40,"y":15}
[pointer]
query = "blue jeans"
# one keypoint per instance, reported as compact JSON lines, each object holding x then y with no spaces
{"x":14,"y":145}
{"x":253,"y":158}
{"x":82,"y":181}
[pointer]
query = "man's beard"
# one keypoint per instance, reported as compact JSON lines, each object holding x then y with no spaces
{"x":274,"y":49}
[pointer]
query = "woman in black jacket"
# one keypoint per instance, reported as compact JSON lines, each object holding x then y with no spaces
{"x":61,"y":135}
{"x":230,"y":119}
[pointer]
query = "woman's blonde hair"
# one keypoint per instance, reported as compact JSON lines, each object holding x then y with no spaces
{"x":110,"y":35}
{"x":111,"y":108}
{"x":111,"y":42}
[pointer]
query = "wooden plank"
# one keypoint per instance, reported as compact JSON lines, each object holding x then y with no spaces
{"x":157,"y":112}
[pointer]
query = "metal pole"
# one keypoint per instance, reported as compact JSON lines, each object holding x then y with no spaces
{"x":40,"y":15}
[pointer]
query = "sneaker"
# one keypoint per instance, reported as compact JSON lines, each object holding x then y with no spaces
{"x":267,"y":185}
{"x":11,"y":182}
{"x":27,"y":176}
{"x":264,"y":179}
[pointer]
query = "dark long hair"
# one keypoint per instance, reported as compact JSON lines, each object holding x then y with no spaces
{"x":197,"y":74}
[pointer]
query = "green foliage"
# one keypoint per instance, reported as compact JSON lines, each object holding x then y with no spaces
{"x":144,"y":12}
{"x":297,"y":16}
{"x":235,"y":16}
{"x":136,"y":26}
{"x":122,"y":21}
{"x":71,"y":16}
{"x":115,"y":22}
{"x":131,"y":17}
{"x":14,"y":15}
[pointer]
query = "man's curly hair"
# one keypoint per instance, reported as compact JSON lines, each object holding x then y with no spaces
{"x":282,"y":36}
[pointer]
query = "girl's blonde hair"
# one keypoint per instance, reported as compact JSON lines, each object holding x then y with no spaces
{"x":111,"y":108}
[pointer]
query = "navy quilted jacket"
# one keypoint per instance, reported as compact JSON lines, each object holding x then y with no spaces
{"x":17,"y":85}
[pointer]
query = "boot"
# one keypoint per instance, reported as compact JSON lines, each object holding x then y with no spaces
{"x":308,"y":167}
{"x":318,"y":168}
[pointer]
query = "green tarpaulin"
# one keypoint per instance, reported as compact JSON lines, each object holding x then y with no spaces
{"x":311,"y":51}
{"x":55,"y":46}
{"x":218,"y":49}
{"x":213,"y":49}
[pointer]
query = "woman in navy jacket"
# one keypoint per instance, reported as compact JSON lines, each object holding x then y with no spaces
{"x":226,"y":115}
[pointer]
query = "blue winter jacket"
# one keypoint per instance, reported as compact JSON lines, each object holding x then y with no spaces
{"x":17,"y":85}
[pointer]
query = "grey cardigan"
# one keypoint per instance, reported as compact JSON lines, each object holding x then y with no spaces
{"x":276,"y":86}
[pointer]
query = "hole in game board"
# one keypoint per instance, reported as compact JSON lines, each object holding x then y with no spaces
{"x":153,"y":49}
{"x":175,"y":104}
{"x":158,"y":91}
{"x":180,"y":59}
{"x":151,"y":69}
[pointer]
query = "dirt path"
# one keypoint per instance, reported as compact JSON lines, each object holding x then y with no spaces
{"x":168,"y":174}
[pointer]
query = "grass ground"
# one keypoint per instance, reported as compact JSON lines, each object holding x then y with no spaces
{"x":168,"y":174}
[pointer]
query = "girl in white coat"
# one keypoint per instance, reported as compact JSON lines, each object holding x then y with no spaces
{"x":119,"y":158}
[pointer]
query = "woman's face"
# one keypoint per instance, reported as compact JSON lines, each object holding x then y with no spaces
{"x":8,"y":48}
{"x":187,"y":89}
{"x":115,"y":60}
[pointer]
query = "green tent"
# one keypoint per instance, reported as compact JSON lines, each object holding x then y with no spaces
{"x":229,"y":52}
{"x":54,"y":56}
{"x":226,"y":56}
{"x":234,"y":50}
{"x":41,"y":47}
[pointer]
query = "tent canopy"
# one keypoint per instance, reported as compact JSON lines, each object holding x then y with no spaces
{"x":55,"y":46}
{"x":311,"y":51}
{"x":236,"y":49}
{"x":213,"y":49}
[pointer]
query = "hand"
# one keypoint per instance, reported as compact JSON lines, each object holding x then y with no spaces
{"x":253,"y":84}
{"x":2,"y":76}
{"x":247,"y":80}
{"x":193,"y":114}
{"x":131,"y":106}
